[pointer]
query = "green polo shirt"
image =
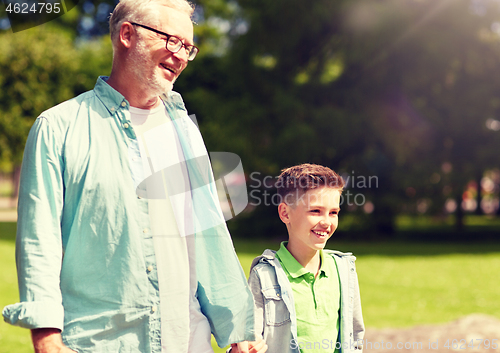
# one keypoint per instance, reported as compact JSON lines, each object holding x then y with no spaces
{"x":317,"y":302}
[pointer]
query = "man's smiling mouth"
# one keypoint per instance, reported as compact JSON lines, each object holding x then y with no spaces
{"x":169,"y":68}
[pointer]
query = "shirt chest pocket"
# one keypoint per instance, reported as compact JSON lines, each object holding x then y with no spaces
{"x":276,"y":312}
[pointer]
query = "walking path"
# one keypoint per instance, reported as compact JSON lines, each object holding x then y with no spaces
{"x":472,"y":333}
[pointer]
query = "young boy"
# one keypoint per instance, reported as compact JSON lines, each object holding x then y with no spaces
{"x":306,"y":298}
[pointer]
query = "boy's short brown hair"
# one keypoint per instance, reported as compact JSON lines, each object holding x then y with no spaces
{"x":295,"y":181}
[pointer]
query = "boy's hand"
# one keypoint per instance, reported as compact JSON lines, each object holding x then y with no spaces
{"x":258,"y":346}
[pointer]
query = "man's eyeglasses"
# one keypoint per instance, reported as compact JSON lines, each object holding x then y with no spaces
{"x":174,"y":44}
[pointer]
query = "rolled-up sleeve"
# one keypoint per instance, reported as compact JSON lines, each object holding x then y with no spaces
{"x":39,"y":249}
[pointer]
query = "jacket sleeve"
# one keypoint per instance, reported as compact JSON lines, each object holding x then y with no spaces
{"x":38,"y":240}
{"x":358,"y":324}
{"x":255,"y":287}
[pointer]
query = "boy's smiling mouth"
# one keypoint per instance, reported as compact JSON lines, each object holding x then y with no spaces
{"x":320,"y":233}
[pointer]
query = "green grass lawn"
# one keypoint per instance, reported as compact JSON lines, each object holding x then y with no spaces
{"x":402,"y":284}
{"x":12,"y":339}
{"x":446,"y":223}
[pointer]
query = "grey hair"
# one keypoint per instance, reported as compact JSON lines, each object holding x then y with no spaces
{"x":139,"y":11}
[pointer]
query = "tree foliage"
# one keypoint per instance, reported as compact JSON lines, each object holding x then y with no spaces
{"x":40,"y":68}
{"x":400,"y":91}
{"x":390,"y":89}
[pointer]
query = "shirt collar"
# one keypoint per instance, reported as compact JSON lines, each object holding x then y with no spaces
{"x":294,"y":268}
{"x":324,"y":270}
{"x":111,"y":98}
{"x":114,"y":100}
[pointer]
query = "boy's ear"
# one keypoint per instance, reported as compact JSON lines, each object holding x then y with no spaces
{"x":283,"y":212}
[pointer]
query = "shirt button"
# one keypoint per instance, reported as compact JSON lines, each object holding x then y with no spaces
{"x":150,"y":268}
{"x":277,"y":294}
{"x":145,"y":230}
{"x":126,"y":125}
{"x":124,"y":104}
{"x":153,"y":309}
{"x":112,"y":109}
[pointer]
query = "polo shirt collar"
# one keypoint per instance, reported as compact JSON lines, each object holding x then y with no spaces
{"x":324,"y":270}
{"x":293,"y":267}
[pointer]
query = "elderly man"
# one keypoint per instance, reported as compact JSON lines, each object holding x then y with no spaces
{"x":121,"y":243}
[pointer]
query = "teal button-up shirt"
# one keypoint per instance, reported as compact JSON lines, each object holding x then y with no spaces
{"x":84,"y":252}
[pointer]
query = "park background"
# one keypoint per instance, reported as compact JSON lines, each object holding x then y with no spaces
{"x":399,"y":96}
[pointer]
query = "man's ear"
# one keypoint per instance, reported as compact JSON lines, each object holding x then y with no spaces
{"x":127,"y":32}
{"x":284,"y":212}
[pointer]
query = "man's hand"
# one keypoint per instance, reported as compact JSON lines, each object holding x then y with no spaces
{"x":48,"y":340}
{"x":258,"y":346}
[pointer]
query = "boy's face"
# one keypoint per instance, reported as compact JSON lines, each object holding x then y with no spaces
{"x":312,"y":220}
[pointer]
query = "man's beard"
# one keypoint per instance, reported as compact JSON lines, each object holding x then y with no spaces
{"x":144,"y":70}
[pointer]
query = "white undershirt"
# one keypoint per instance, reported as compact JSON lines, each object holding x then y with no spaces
{"x":184,"y":328}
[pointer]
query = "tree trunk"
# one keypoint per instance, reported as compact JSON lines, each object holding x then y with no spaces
{"x":459,"y":214}
{"x":479,"y":197}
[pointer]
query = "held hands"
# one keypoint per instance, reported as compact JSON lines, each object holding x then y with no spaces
{"x":258,"y":346}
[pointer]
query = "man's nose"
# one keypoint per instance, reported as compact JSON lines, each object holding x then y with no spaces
{"x":182,"y":55}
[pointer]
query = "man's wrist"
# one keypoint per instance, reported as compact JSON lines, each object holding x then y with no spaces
{"x":46,"y":340}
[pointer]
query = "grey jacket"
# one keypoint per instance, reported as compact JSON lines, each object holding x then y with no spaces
{"x":275,"y":318}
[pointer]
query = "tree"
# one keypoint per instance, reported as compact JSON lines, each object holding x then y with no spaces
{"x":35,"y":68}
{"x":433,"y":89}
{"x":39,"y":68}
{"x":390,"y":89}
